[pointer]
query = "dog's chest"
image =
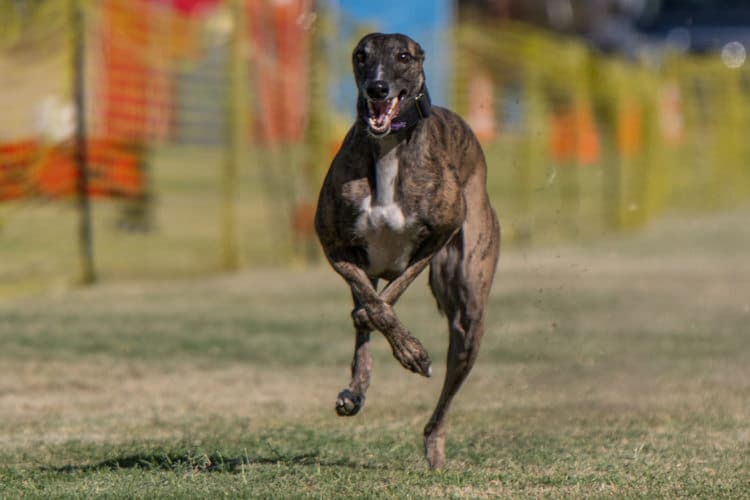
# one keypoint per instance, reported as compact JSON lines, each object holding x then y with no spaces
{"x":390,"y":235}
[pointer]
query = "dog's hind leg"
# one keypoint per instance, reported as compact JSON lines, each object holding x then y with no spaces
{"x":351,"y":399}
{"x":460,"y":278}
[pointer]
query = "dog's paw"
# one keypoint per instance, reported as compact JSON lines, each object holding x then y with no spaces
{"x":413,"y":356}
{"x":349,"y":403}
{"x":362,"y":320}
{"x":434,"y":450}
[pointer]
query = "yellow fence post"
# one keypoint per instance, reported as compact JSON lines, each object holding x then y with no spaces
{"x":78,"y":65}
{"x":233,"y":110}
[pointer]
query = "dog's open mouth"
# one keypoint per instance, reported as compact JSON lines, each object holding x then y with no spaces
{"x":382,"y":113}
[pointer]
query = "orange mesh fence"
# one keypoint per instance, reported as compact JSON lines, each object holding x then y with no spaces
{"x":30,"y":169}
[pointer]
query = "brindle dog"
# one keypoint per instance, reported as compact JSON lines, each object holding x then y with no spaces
{"x":408,"y":189}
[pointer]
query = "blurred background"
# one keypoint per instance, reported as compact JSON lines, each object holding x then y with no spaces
{"x":170,"y":138}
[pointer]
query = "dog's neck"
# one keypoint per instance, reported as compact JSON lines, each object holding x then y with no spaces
{"x":385,"y":155}
{"x":384,"y":146}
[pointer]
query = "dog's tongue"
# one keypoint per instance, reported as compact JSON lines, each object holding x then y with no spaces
{"x":380,"y":108}
{"x":381,"y":113}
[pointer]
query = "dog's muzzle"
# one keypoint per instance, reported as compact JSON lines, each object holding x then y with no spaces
{"x":385,"y":115}
{"x":381,"y":114}
{"x":380,"y":109}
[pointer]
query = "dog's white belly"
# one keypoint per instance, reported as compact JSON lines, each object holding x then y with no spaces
{"x":389,"y":238}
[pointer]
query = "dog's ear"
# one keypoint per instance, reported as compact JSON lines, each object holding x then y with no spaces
{"x":419,"y":52}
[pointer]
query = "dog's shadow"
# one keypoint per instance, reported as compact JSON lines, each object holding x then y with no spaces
{"x":201,"y":462}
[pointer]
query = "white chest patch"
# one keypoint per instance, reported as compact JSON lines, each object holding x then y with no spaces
{"x":387,"y":232}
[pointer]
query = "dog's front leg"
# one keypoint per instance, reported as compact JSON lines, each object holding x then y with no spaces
{"x":393,"y":291}
{"x":351,"y":399}
{"x":406,"y":349}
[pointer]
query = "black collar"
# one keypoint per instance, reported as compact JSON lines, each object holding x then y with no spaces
{"x":410,"y":113}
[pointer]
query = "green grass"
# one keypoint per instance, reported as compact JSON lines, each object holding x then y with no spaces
{"x":618,"y":368}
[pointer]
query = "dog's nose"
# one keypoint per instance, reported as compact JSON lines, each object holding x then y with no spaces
{"x":377,"y":89}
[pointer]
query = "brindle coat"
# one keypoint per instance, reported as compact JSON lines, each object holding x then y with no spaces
{"x":393,"y":204}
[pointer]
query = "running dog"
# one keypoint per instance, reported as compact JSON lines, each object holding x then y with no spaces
{"x":406,"y":190}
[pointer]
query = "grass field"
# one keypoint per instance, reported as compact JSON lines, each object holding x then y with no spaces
{"x":618,"y":368}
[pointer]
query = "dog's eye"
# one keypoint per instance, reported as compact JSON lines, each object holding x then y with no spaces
{"x":404,"y":57}
{"x":360,"y":56}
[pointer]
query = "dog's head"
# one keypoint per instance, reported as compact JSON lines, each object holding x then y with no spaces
{"x":389,"y":76}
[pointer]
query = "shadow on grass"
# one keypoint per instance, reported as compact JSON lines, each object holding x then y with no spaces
{"x":201,"y":462}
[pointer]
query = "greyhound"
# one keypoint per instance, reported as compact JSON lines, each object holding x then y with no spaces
{"x":408,"y":189}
